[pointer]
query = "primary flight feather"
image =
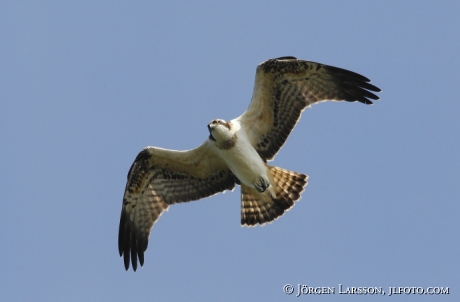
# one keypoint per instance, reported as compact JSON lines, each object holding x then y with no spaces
{"x":236,"y":152}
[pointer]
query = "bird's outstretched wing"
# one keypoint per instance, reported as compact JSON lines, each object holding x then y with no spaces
{"x":159,"y":178}
{"x":284,"y":87}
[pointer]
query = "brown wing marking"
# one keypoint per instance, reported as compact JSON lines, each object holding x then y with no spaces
{"x":284,"y":87}
{"x":154,"y":183}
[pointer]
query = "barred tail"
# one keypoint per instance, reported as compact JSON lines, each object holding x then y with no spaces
{"x":260,"y":208}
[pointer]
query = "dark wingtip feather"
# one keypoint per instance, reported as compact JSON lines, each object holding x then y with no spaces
{"x":355,"y":86}
{"x":121,"y":233}
{"x":130,"y":246}
{"x":134,"y":253}
{"x":127,"y":247}
{"x":348,"y":74}
{"x":126,"y":259}
{"x":286,"y":58}
{"x":141,"y":258}
{"x":372,"y":87}
{"x":367,"y":102}
{"x":372,"y":96}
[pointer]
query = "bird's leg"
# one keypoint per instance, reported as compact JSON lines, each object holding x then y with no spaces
{"x":262,"y":185}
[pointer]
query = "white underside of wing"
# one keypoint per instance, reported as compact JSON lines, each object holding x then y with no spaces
{"x":200,"y":162}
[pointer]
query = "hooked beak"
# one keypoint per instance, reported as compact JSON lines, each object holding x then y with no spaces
{"x":210,"y":133}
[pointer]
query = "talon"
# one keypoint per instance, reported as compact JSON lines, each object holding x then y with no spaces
{"x":258,"y":187}
{"x":262,"y":186}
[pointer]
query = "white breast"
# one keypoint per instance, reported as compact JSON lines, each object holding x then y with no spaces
{"x":244,"y":161}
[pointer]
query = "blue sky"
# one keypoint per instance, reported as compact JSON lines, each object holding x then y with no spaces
{"x":85,"y":85}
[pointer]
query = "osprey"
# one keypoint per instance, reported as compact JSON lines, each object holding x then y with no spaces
{"x":236,"y":152}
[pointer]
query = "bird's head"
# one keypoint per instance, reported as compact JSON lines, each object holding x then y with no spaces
{"x":220,"y":130}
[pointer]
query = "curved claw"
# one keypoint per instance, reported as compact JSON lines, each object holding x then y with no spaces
{"x":262,"y":186}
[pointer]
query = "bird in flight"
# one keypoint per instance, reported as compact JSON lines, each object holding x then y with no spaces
{"x":236,"y":152}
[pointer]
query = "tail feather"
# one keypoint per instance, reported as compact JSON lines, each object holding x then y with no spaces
{"x":260,"y":208}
